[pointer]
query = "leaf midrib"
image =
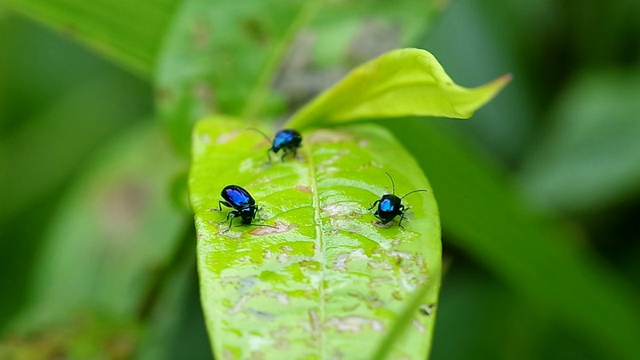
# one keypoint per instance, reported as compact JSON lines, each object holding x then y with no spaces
{"x":321,"y":248}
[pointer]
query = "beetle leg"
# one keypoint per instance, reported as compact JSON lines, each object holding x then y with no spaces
{"x":374,"y":205}
{"x":227,"y":218}
{"x":401,"y":210}
{"x":285,"y":151}
{"x":220,"y":203}
{"x":235,"y":215}
{"x":268,"y":154}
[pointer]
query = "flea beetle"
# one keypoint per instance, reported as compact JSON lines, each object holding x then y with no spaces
{"x":243,"y":205}
{"x":390,"y":205}
{"x":288,"y":140}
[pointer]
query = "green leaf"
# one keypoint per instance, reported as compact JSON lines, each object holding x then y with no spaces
{"x":325,"y":281}
{"x":220,"y":56}
{"x":33,"y":163}
{"x":590,"y":158}
{"x":348,"y":32}
{"x":484,"y":216}
{"x":174,"y":325}
{"x":405,"y":82}
{"x":113,"y":233}
{"x":129,"y":32}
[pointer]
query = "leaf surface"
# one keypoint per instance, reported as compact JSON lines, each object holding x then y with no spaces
{"x":404,"y":82}
{"x":325,"y":281}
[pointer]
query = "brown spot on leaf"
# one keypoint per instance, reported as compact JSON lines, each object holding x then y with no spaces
{"x":313,"y":321}
{"x":277,"y":228}
{"x":303,"y":189}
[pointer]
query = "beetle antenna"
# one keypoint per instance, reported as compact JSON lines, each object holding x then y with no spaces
{"x":411,"y":192}
{"x":259,"y":132}
{"x":393,"y":185}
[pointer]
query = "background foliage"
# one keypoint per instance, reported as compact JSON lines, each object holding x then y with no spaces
{"x":539,"y":193}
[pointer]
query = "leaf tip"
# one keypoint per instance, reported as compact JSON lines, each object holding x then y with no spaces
{"x":483,"y":94}
{"x":498,"y":84}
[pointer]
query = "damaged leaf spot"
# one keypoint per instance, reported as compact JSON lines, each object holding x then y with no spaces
{"x":426,"y":309}
{"x":278,"y":227}
{"x":416,"y":324}
{"x":337,"y":209}
{"x":341,"y":262}
{"x":354,"y":324}
{"x":227,"y":137}
{"x":303,"y":189}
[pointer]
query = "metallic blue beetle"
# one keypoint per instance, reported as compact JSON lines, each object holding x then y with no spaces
{"x":390,"y":206}
{"x":288,"y":140}
{"x":240,"y":201}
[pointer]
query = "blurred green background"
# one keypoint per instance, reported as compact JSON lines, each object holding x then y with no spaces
{"x":539,"y":192}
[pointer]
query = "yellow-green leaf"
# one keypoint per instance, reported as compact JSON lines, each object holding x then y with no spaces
{"x":327,"y":281}
{"x":405,"y":82}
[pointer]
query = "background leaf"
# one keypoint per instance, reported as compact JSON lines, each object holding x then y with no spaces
{"x":590,"y":156}
{"x":56,"y":111}
{"x":215,"y":55}
{"x":325,"y":280}
{"x":405,"y":82}
{"x":129,"y":32}
{"x":120,"y":230}
{"x":28,"y":144}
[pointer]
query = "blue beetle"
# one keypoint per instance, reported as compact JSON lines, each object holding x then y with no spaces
{"x":390,"y":206}
{"x":243,"y":205}
{"x":288,"y":140}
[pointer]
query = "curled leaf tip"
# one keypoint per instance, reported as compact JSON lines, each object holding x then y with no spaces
{"x":479,"y":96}
{"x":498,"y":84}
{"x":400,"y":83}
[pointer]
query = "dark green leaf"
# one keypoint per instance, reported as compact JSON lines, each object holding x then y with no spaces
{"x":42,"y":153}
{"x":129,"y":32}
{"x":115,"y":230}
{"x":591,"y":156}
